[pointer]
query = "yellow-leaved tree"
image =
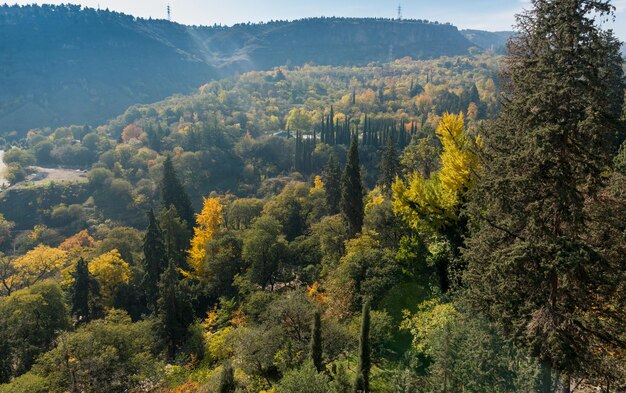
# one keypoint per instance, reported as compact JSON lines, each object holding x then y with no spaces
{"x":111,"y":271}
{"x":207,"y":225}
{"x":37,"y":264}
{"x":428,"y":204}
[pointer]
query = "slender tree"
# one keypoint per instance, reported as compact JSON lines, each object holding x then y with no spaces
{"x":332,"y":184}
{"x":227,"y":379}
{"x":155,"y":260}
{"x":173,"y":194}
{"x":389,"y":166}
{"x":84,"y":294}
{"x":533,"y":264}
{"x":6,"y":359}
{"x":175,"y":310}
{"x":316,"y":342}
{"x":352,"y":190}
{"x":361,"y":383}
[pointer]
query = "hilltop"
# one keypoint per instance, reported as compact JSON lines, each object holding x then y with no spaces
{"x":71,"y":65}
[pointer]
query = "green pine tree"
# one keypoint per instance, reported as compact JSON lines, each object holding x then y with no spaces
{"x":361,"y":383}
{"x":84,"y":295}
{"x":532,"y":264}
{"x":173,"y":194}
{"x":227,"y":379}
{"x":155,"y":260}
{"x":332,"y":184}
{"x":316,"y":342}
{"x":389,"y":166}
{"x":352,"y":190}
{"x":175,"y":310}
{"x":6,"y":359}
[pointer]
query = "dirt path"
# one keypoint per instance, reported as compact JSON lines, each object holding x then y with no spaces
{"x":47,"y":175}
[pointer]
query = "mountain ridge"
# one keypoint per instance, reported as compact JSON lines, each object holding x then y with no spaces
{"x":72,"y":65}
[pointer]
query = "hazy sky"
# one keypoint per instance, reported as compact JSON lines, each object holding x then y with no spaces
{"x":478,"y":14}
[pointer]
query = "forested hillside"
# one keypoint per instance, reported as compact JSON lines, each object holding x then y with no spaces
{"x":438,"y":225}
{"x":67,"y":65}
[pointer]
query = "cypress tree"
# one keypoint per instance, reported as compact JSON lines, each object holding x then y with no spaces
{"x":6,"y":359}
{"x":155,"y":260}
{"x":316,"y":342}
{"x":332,"y":184}
{"x":361,"y":383}
{"x":227,"y":379}
{"x":175,"y":311}
{"x":84,"y":294}
{"x":389,"y":166}
{"x":174,"y":194}
{"x":352,"y":190}
{"x":533,"y":265}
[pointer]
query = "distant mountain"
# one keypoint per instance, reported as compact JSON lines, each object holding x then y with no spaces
{"x":64,"y":65}
{"x":495,"y":41}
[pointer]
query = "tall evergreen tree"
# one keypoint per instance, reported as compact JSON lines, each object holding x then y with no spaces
{"x":332,"y":184}
{"x":352,"y":190}
{"x":173,"y":194}
{"x":362,"y":381}
{"x":6,"y":359}
{"x":227,"y":379}
{"x":389,"y":166}
{"x":155,"y":260}
{"x":532,"y":265}
{"x":175,"y":310}
{"x":316,"y":342}
{"x":84,"y":294}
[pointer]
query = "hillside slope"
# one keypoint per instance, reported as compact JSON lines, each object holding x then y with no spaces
{"x":68,"y":65}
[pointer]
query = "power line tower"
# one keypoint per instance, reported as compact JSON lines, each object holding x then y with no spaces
{"x":169,"y":13}
{"x":399,"y":11}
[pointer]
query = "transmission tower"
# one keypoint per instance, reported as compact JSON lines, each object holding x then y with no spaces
{"x":169,"y":13}
{"x":399,"y":11}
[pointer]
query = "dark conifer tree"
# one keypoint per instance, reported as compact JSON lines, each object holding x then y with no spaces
{"x":155,"y":260}
{"x":174,"y":194}
{"x":533,"y":266}
{"x":389,"y":166}
{"x":352,"y":190}
{"x":361,"y":383}
{"x":6,"y":359}
{"x":227,"y":379}
{"x":332,"y":184}
{"x":316,"y":342}
{"x":175,"y":310}
{"x":84,"y":294}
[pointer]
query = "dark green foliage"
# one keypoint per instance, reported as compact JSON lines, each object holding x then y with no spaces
{"x":155,"y":260}
{"x":352,"y":190}
{"x":316,"y":342}
{"x":361,"y":383}
{"x":224,"y":261}
{"x":535,"y":265}
{"x":389,"y":166}
{"x":304,"y":380}
{"x":6,"y":360}
{"x":227,"y":379}
{"x":176,"y":236}
{"x":30,"y":320}
{"x":332,"y":184}
{"x":84,"y":295}
{"x":173,"y":194}
{"x":265,"y":251}
{"x":175,"y":311}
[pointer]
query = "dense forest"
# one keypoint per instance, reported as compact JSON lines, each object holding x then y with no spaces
{"x":82,"y":65}
{"x":454,"y":224}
